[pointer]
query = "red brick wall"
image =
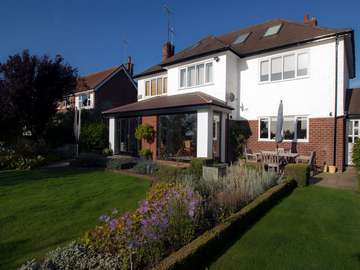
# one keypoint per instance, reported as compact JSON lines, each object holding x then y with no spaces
{"x":152,"y":121}
{"x":321,"y":140}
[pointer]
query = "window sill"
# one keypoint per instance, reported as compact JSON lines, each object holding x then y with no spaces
{"x":196,"y":86}
{"x":285,"y":80}
{"x":284,"y":141}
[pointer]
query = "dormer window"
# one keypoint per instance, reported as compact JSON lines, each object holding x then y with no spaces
{"x":272,"y":30}
{"x":241,"y":38}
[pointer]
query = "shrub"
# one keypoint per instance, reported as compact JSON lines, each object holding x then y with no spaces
{"x":356,"y":155}
{"x":120,"y":163}
{"x":13,"y":161}
{"x":197,"y":164}
{"x":145,"y":167}
{"x":165,"y":221}
{"x":299,"y":172}
{"x":146,"y":132}
{"x":239,"y":133}
{"x":75,"y":256}
{"x":170,"y":173}
{"x":227,"y":195}
{"x":89,"y":160}
{"x":94,"y":137}
{"x":107,"y":152}
{"x":145,"y":152}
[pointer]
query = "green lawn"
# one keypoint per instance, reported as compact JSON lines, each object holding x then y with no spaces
{"x":42,"y":209}
{"x":314,"y":228}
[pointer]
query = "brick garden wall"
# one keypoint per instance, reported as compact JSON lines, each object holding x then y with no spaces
{"x":152,"y":121}
{"x":321,"y":140}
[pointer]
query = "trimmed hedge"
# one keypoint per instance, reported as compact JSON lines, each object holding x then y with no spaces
{"x":120,"y":163}
{"x":203,"y":249}
{"x":299,"y":172}
{"x":197,"y":164}
{"x":169,"y":173}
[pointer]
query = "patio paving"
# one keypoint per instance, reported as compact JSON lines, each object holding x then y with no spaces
{"x":346,"y":180}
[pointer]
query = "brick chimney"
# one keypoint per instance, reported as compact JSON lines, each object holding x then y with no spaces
{"x":312,"y":22}
{"x":168,"y":50}
{"x":130,"y":66}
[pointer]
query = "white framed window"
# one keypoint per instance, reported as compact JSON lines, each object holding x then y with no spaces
{"x":302,"y":64}
{"x":272,"y":30}
{"x":289,"y":66}
{"x":182,"y":77}
{"x":209,"y":73}
{"x":295,"y":128}
{"x":191,"y":76}
{"x":264,"y":71}
{"x":200,"y":74}
{"x":156,"y":86}
{"x":84,"y":100}
{"x":276,"y":69}
{"x":196,"y":75}
{"x":284,"y":67}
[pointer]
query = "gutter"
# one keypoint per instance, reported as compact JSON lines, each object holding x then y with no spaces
{"x":336,"y":94}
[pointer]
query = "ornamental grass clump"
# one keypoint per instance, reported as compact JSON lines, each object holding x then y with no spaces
{"x":168,"y":219}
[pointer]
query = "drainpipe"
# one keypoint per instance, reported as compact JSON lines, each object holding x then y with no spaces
{"x":336,"y":95}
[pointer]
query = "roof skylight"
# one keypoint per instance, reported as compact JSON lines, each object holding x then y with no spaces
{"x":272,"y":30}
{"x":241,"y":38}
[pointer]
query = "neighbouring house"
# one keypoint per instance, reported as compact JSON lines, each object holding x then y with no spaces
{"x":191,"y":97}
{"x":103,"y":90}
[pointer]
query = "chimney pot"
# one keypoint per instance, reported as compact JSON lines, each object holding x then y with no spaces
{"x":312,"y":22}
{"x":130,"y":66}
{"x":168,"y":50}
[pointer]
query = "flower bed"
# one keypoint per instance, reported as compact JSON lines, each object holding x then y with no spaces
{"x":174,"y":213}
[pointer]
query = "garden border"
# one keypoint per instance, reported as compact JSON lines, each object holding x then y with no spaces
{"x":204,"y":249}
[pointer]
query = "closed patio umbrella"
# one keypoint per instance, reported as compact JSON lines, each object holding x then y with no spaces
{"x":279,"y":124}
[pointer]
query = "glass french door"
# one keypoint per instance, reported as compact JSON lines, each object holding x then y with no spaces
{"x":353,"y":134}
{"x":126,"y":141}
{"x":216,"y":135}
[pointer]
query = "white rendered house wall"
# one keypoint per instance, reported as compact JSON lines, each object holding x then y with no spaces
{"x":311,"y":95}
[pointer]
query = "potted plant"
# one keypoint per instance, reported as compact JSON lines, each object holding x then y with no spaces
{"x":145,"y":153}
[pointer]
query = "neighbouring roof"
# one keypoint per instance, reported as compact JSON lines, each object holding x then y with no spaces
{"x":93,"y":80}
{"x":290,"y":33}
{"x":169,"y":102}
{"x":352,"y":104}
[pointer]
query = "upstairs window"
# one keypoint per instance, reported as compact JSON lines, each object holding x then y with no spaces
{"x":191,"y":76}
{"x":196,"y":75}
{"x":156,"y":86}
{"x":289,"y":66}
{"x":276,"y":69}
{"x":302,"y":64}
{"x":147,"y":88}
{"x":264,"y":71}
{"x":273,"y":30}
{"x":284,"y":67}
{"x":84,"y":100}
{"x":209,"y":73}
{"x":182,"y":77}
{"x":165,"y":85}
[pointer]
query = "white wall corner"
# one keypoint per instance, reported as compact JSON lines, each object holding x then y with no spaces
{"x":204,"y":133}
{"x":112,"y":132}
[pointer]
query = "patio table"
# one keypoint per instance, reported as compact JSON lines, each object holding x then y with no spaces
{"x":288,"y":157}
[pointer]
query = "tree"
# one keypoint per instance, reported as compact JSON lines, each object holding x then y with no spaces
{"x":30,"y":87}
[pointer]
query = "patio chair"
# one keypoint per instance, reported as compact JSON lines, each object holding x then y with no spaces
{"x":250,"y":156}
{"x":271,"y":161}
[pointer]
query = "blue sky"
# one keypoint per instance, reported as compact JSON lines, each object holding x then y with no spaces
{"x":89,"y":34}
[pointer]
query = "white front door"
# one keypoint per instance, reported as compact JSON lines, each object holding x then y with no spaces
{"x":353,"y":134}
